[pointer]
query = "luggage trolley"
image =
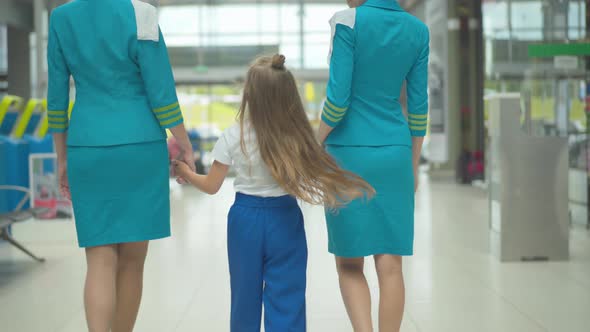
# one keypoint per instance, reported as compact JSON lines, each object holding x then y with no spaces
{"x":44,"y":187}
{"x":43,"y":177}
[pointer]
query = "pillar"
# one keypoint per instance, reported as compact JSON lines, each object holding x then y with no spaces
{"x":19,"y":62}
{"x":456,"y":85}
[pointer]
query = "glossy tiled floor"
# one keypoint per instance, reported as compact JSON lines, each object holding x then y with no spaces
{"x":453,"y":283}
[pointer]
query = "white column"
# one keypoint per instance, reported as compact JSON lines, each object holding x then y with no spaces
{"x":40,"y":19}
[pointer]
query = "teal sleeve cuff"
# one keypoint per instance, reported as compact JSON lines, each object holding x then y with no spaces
{"x":58,"y":121}
{"x":332,"y":115}
{"x":418,"y":124}
{"x":418,"y":133}
{"x":169,"y":116}
{"x":328,"y":121}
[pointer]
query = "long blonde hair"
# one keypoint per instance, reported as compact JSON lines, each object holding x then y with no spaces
{"x":273,"y":108}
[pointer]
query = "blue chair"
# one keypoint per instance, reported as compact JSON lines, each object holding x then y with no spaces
{"x":16,"y":151}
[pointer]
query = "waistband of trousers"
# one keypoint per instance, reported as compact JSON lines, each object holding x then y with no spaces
{"x":257,"y":201}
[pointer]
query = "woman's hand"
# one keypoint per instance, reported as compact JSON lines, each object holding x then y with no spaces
{"x":64,"y":186}
{"x":323,"y":132}
{"x":188,"y":160}
{"x":179,"y":133}
{"x":59,"y":140}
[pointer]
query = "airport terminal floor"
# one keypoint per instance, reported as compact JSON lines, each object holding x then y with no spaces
{"x":453,"y":283}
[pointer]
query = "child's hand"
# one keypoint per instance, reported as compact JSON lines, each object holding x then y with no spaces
{"x":181,"y":168}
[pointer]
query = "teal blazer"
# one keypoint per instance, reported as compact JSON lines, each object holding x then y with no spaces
{"x":374,"y":49}
{"x":125,"y":90}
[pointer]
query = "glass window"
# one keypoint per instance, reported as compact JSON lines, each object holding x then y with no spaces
{"x":316,"y":56}
{"x":317,"y":17}
{"x":577,"y":20}
{"x":527,"y":20}
{"x":495,"y":18}
{"x":292,"y":53}
{"x":268,"y":24}
{"x":290,"y":18}
{"x":182,"y":20}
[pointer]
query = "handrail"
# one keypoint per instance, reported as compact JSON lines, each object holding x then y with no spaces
{"x":4,"y":232}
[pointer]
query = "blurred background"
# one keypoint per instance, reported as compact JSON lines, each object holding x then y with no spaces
{"x":502,"y":226}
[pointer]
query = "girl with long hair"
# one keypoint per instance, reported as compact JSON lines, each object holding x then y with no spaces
{"x":277,"y":160}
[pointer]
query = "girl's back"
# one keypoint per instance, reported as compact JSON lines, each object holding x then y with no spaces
{"x":252,"y":174}
{"x":277,"y":159}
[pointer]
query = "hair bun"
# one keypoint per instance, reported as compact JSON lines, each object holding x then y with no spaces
{"x":278,"y":61}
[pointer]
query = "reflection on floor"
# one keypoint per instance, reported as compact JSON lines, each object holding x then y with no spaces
{"x":453,"y":283}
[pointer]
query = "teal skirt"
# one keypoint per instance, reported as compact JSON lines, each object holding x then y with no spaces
{"x":120,"y":193}
{"x":385,"y":224}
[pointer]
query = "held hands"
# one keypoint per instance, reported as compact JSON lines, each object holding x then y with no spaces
{"x":188,"y":160}
{"x":181,"y":168}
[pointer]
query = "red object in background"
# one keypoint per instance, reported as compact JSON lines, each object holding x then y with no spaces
{"x":465,"y":110}
{"x":475,"y":166}
{"x":50,"y":204}
{"x":53,"y":206}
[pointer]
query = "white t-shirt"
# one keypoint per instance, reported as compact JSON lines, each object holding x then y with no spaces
{"x":252,"y":174}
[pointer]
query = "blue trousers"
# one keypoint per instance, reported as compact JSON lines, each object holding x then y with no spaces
{"x":267,"y":251}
